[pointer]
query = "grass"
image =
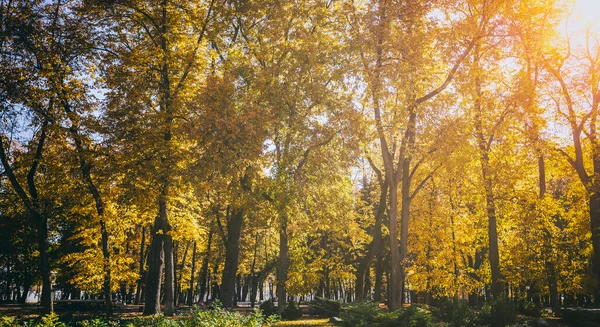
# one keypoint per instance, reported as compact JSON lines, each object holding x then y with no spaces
{"x":305,"y":321}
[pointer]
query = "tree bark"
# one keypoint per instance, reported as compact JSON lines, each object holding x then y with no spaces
{"x":154,"y":273}
{"x":140,"y":282}
{"x":232,"y":250}
{"x":190,"y":299}
{"x":204,"y":269}
{"x":282,"y":270}
{"x":486,"y":173}
{"x":179,"y":273}
{"x":169,"y":269}
{"x":406,"y":199}
{"x":47,"y":304}
{"x":365,"y":264}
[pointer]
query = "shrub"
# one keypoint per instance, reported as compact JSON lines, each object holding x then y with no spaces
{"x":361,"y":314}
{"x":324,"y":307}
{"x":268,"y":308}
{"x":8,"y":321}
{"x":455,"y":313}
{"x":484,"y":317}
{"x":414,"y":316}
{"x":158,"y":321}
{"x":94,"y":323}
{"x":502,"y":313}
{"x":291,"y":312}
{"x":529,"y":308}
{"x":50,"y":320}
{"x":198,"y":318}
{"x":214,"y":318}
{"x":369,"y":314}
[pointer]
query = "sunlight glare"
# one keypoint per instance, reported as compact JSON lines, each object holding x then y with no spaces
{"x":586,"y":14}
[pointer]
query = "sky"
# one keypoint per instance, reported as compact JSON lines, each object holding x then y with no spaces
{"x":586,"y":13}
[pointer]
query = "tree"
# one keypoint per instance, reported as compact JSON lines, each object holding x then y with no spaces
{"x":162,"y":42}
{"x":397,"y":95}
{"x":578,"y":86}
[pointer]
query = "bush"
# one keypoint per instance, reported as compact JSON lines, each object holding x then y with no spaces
{"x":413,"y":316}
{"x":455,"y":313}
{"x":324,"y":307}
{"x":499,"y":313}
{"x":214,"y":318}
{"x":291,"y":312}
{"x":369,"y":314}
{"x":484,"y":317}
{"x":158,"y":321}
{"x":98,"y":323}
{"x":268,"y":308}
{"x":8,"y":321}
{"x":198,"y":318}
{"x":529,"y":308}
{"x":361,"y":314}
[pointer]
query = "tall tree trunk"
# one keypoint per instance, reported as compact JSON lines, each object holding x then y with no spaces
{"x":238,"y":289}
{"x":252,"y":280}
{"x":378,"y":277}
{"x":22,"y":298}
{"x":204,"y":269}
{"x":549,"y":264}
{"x":140,"y":282}
{"x":494,"y":257}
{"x":179,"y":273}
{"x":47,"y":304}
{"x":365,"y":264}
{"x":395,"y":281}
{"x":232,"y":250}
{"x":406,"y":200}
{"x":595,"y":227}
{"x":253,"y":290}
{"x":486,"y":173}
{"x":282,"y":270}
{"x":154,"y":274}
{"x":169,"y":271}
{"x":190,"y":299}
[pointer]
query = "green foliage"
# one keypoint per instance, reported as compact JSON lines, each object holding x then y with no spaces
{"x":503,"y":313}
{"x":529,"y":308}
{"x":198,"y":318}
{"x":455,"y":313}
{"x":413,"y":316}
{"x":50,"y":320}
{"x":98,"y":323}
{"x":360,"y":314}
{"x":268,"y":308}
{"x":291,"y":312}
{"x":158,"y":321}
{"x":8,"y":321}
{"x":498,"y":313}
{"x":210,"y":318}
{"x":324,"y":307}
{"x":369,"y":314}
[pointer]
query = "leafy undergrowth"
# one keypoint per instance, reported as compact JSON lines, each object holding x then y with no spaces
{"x":198,"y":318}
